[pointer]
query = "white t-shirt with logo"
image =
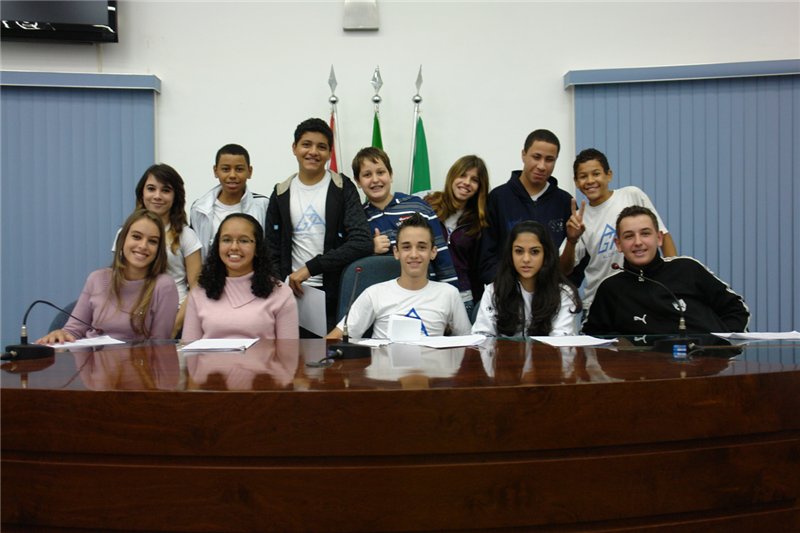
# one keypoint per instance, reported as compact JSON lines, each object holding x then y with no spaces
{"x":436,"y":305}
{"x":307,"y":209}
{"x":598,"y":239}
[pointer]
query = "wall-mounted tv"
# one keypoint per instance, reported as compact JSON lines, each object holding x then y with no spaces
{"x":65,"y":21}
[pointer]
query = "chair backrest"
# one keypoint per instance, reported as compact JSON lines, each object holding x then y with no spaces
{"x":374,"y":269}
{"x":61,"y":319}
{"x":474,"y":314}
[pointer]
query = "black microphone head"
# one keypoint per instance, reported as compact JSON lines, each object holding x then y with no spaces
{"x":100,"y":331}
{"x":616,"y":266}
{"x":358,"y":269}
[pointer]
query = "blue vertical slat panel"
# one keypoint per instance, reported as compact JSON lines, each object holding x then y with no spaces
{"x":720,"y":159}
{"x":583,"y":106}
{"x":683,"y":163}
{"x":724,"y":196}
{"x":661,"y":157}
{"x":696,"y":187}
{"x":649,"y":162}
{"x":623,"y":131}
{"x":737,"y":179}
{"x":635,"y":142}
{"x":789,"y":167}
{"x":70,"y":160}
{"x":706,"y":105}
{"x":608,"y":138}
{"x":673,"y":168}
{"x":749,"y":208}
{"x":768,"y":125}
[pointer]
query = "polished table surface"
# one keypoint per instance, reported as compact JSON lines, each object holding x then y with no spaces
{"x":505,"y":435}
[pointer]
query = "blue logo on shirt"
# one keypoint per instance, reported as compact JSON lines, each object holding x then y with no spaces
{"x":413,"y":314}
{"x":607,"y":241}
{"x":309,"y":220}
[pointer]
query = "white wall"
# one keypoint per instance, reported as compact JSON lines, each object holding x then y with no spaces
{"x":248,"y":72}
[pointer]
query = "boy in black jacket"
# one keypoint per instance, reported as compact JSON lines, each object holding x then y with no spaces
{"x":315,"y":224}
{"x":629,"y":303}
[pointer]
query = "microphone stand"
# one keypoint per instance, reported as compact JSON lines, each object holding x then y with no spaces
{"x":679,"y":346}
{"x":24,"y":351}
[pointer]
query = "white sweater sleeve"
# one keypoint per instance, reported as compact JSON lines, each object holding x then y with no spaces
{"x":564,"y":321}
{"x":485,"y":321}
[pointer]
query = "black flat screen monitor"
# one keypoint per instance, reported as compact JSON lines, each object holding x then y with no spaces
{"x":81,"y":21}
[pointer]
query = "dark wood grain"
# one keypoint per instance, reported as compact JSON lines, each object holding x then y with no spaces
{"x":596,"y":440}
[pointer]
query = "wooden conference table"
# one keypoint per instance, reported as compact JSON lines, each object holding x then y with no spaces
{"x":514,"y":436}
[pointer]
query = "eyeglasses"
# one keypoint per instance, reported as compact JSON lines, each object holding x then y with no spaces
{"x":242,"y":242}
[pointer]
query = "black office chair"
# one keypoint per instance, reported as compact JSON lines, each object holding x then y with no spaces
{"x":374,"y":269}
{"x":61,"y":318}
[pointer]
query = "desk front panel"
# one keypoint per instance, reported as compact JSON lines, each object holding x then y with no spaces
{"x":510,"y":435}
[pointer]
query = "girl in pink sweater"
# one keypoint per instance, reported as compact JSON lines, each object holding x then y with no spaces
{"x":238,"y":295}
{"x":134,"y":298}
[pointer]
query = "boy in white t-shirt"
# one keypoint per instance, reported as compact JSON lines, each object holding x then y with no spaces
{"x":591,"y":230}
{"x":435,"y":304}
{"x":232,"y":169}
{"x":315,"y":225}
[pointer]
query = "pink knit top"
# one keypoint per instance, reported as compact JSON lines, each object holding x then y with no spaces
{"x":97,"y":307}
{"x":239,"y":314}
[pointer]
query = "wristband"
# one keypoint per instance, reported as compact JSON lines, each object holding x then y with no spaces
{"x":573,"y":242}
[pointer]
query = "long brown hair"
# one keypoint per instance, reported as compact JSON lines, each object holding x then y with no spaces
{"x":445,"y":203}
{"x":159,"y":266}
{"x":166,"y":175}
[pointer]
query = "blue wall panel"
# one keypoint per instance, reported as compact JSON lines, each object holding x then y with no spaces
{"x":720,"y":159}
{"x":71,"y":158}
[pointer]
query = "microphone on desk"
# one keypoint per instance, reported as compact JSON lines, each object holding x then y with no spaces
{"x":24,"y":351}
{"x":678,"y":346}
{"x":346,"y":349}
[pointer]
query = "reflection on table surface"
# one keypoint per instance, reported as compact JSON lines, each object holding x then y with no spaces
{"x":280,"y":365}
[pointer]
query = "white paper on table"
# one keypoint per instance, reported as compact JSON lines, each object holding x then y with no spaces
{"x":374,"y":343}
{"x":766,"y":336}
{"x":311,"y":310}
{"x":573,"y":340}
{"x":94,"y":341}
{"x":456,"y":341}
{"x":219,"y":345}
{"x":404,"y":329}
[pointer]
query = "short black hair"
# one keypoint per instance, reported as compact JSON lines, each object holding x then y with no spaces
{"x":590,"y":154}
{"x":233,"y":149}
{"x":316,"y":125}
{"x":635,"y":211}
{"x":544,"y":136}
{"x":416,"y":221}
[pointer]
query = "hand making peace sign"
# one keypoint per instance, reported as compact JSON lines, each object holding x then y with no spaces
{"x":575,"y":227}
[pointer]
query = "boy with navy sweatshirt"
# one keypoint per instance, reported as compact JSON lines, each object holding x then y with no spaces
{"x":531,"y":194}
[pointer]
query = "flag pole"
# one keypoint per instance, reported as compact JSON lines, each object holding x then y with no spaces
{"x":377,"y":83}
{"x":417,"y":99}
{"x":337,"y":148}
